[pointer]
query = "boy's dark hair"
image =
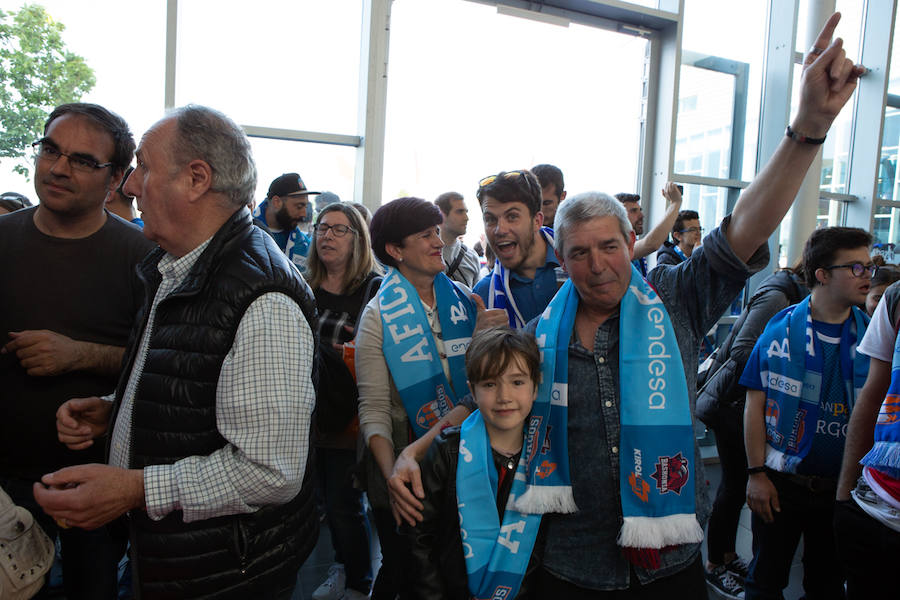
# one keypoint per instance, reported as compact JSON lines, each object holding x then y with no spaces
{"x":493,"y":350}
{"x":108,"y":121}
{"x":683,"y":215}
{"x":824,"y":243}
{"x":445,"y":201}
{"x":397,"y":219}
{"x":550,"y":175}
{"x":513,"y":186}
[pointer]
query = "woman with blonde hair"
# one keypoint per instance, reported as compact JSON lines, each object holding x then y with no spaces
{"x":344,"y":276}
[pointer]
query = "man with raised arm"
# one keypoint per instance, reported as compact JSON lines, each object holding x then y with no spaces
{"x":648,"y":244}
{"x":68,"y":298}
{"x":209,"y":439}
{"x":612,"y":436}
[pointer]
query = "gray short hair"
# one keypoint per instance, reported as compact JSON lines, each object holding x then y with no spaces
{"x":586,"y":206}
{"x":207,"y":134}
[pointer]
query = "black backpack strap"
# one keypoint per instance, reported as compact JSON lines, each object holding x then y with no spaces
{"x":452,"y":267}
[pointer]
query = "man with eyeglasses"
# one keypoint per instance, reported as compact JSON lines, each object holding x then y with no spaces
{"x":802,"y":380}
{"x":686,"y":235}
{"x":280,"y":213}
{"x":67,"y":303}
{"x":209,"y":429}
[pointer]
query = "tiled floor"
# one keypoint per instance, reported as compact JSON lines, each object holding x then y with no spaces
{"x":315,"y":569}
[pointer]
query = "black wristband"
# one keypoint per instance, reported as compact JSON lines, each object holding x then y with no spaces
{"x":799,"y":137}
{"x":753,"y":470}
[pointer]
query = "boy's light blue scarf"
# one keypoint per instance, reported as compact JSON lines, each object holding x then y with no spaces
{"x":656,"y":443}
{"x":499,"y":293}
{"x":793,"y":380}
{"x":411,"y":354}
{"x":496,"y":555}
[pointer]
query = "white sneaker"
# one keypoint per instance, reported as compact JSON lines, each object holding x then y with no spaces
{"x":333,"y":587}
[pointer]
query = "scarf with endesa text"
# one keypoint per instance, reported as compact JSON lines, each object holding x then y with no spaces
{"x":411,"y":354}
{"x":656,"y":430}
{"x":496,"y":554}
{"x":885,"y":453}
{"x":499,"y":293}
{"x":793,"y":380}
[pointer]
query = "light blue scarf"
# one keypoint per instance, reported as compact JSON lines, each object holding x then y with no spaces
{"x":410,"y":351}
{"x":793,"y":380}
{"x":885,"y":453}
{"x":499,"y":293}
{"x":496,"y":556}
{"x":656,"y":442}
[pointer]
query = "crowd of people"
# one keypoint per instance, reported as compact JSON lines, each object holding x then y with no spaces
{"x":195,"y":384}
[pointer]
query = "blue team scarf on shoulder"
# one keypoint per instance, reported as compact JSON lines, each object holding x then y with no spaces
{"x":657,"y":439}
{"x":793,"y":381}
{"x":496,"y":555}
{"x":410,"y":351}
{"x":885,"y":453}
{"x":499,"y":293}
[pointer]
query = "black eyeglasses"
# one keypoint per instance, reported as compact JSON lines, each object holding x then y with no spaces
{"x":857,"y":269}
{"x":691,"y":230}
{"x":338,"y":230}
{"x":46,"y":151}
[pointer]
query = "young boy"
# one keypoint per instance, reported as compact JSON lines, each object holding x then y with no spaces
{"x":463,"y":548}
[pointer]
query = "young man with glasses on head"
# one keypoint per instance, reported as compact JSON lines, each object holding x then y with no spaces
{"x":802,"y":380}
{"x":686,"y":235}
{"x":67,"y":303}
{"x":527,"y":273}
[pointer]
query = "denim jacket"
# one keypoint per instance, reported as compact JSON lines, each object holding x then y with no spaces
{"x":581,"y":547}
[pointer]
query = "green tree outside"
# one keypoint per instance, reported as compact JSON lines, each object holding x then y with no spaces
{"x":37,"y":73}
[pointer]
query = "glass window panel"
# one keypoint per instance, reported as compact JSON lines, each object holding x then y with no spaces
{"x":704,"y":34}
{"x":887,"y":166}
{"x":708,"y":201}
{"x":292,"y":65}
{"x":886,"y":231}
{"x":323,"y":167}
{"x":830,"y":214}
{"x":848,"y":29}
{"x":509,"y":96}
{"x":704,"y":121}
{"x":111,"y":54}
{"x":894,"y":82}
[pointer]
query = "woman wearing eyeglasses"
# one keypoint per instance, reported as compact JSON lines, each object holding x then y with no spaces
{"x":410,"y":361}
{"x":344,"y":276}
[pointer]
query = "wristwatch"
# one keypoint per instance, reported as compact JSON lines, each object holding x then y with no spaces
{"x":752,"y":470}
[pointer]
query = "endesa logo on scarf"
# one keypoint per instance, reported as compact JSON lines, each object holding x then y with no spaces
{"x":671,"y":473}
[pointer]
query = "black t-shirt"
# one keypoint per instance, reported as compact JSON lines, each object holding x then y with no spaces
{"x":85,"y":289}
{"x":339,"y":313}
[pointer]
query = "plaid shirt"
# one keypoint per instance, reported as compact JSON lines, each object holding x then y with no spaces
{"x":264,"y":402}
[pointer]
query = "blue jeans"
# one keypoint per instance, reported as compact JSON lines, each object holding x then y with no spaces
{"x":803,"y":512}
{"x":90,"y":558}
{"x":344,"y":508}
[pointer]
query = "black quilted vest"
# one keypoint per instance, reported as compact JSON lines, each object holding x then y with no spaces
{"x":251,"y":555}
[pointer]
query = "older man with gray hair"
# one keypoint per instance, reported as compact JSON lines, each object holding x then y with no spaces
{"x":210,"y":422}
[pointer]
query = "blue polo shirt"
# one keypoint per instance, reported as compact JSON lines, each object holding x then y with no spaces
{"x":531,"y":295}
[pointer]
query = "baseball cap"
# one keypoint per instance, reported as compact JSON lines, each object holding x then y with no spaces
{"x":289,"y":184}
